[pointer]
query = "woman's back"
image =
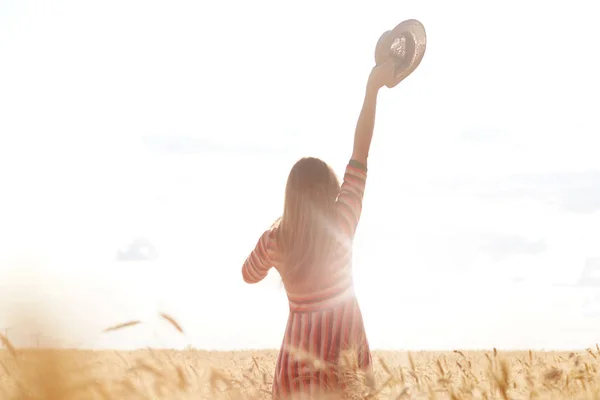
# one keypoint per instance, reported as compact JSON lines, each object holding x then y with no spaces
{"x":325,"y":318}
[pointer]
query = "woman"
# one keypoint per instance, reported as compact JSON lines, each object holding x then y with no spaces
{"x":311,"y":248}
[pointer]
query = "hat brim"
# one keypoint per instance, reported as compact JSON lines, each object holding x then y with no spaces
{"x":405,"y":44}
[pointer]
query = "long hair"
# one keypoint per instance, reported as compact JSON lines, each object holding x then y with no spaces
{"x":306,"y":232}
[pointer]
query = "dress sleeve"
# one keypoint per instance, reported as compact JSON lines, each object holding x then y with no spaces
{"x":257,"y":265}
{"x":350,"y":199}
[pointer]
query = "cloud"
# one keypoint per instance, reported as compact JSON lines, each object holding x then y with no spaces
{"x":182,"y":144}
{"x":577,"y":192}
{"x":501,"y":247}
{"x":483,"y":135}
{"x":139,"y":250}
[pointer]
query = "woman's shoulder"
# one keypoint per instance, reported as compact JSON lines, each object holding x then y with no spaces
{"x":269,"y":237}
{"x":271,"y":233}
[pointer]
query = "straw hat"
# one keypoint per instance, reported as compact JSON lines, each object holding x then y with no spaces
{"x":405,"y":45}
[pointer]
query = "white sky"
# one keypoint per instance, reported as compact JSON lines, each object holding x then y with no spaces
{"x":484,"y":186}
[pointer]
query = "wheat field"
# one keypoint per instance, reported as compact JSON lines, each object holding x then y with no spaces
{"x":52,"y":374}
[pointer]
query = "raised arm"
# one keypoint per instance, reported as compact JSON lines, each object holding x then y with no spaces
{"x":380,"y":74}
{"x":349,"y":201}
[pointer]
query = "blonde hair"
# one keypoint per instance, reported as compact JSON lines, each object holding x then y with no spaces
{"x":307,"y":231}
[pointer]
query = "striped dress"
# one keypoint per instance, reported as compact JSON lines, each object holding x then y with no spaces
{"x":324,"y":322}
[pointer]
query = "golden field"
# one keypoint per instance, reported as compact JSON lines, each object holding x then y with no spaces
{"x":195,"y":374}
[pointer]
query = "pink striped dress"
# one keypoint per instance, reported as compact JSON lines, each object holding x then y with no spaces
{"x":321,"y":322}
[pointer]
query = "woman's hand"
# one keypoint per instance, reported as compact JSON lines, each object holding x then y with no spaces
{"x":380,"y":76}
